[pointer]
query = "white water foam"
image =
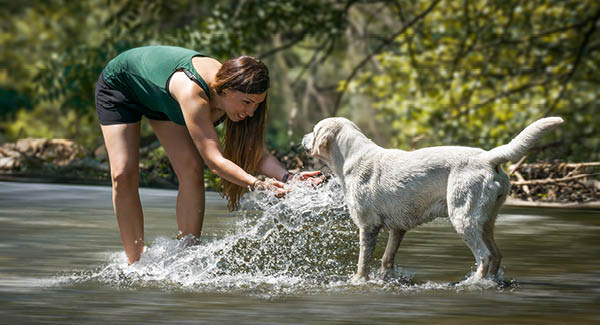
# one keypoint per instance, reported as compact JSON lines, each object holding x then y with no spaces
{"x":302,"y":243}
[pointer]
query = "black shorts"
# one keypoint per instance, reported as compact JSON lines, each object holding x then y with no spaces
{"x":115,"y":107}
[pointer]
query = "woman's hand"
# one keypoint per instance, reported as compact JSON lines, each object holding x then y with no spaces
{"x":315,"y":177}
{"x":272,"y":185}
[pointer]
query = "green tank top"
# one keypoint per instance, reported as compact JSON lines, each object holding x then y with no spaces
{"x":143,"y":74}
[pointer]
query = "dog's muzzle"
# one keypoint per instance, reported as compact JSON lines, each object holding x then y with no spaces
{"x":307,"y":142}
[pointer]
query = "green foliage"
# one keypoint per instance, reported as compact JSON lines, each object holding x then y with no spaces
{"x":11,"y":101}
{"x":56,"y":49}
{"x":159,"y":161}
{"x":155,"y":168}
{"x":476,"y":72}
{"x":470,"y":72}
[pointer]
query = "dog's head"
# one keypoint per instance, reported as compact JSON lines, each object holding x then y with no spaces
{"x":317,"y":142}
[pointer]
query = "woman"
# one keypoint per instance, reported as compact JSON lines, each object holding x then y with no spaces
{"x":185,"y":94}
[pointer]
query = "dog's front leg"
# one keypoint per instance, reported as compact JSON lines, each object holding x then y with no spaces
{"x":387,"y":261}
{"x":368,"y":237}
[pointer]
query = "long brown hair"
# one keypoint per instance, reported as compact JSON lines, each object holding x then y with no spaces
{"x":244,"y":140}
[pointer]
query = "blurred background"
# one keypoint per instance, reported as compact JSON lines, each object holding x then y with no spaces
{"x":410,"y":73}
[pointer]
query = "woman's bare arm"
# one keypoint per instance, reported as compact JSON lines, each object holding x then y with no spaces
{"x":271,"y":166}
{"x":196,"y":112}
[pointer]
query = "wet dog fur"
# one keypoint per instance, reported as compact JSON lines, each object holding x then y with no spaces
{"x":400,"y":190}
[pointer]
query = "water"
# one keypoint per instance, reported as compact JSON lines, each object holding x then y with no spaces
{"x":280,"y":261}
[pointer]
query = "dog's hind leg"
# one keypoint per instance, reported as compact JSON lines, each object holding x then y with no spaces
{"x":473,"y":198}
{"x":469,"y":225}
{"x":488,"y":236}
{"x":482,"y":253}
{"x":387,"y":261}
{"x":368,"y":238}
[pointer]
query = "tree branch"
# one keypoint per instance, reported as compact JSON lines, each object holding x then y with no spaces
{"x":381,"y":46}
{"x":533,"y":36}
{"x":510,"y":92}
{"x":552,"y":180}
{"x":562,"y":165}
{"x":313,"y":58}
{"x":293,"y":42}
{"x":584,"y":43}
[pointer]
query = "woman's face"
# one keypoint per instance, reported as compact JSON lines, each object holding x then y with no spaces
{"x":238,"y":105}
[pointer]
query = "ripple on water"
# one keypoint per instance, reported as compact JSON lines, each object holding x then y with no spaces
{"x":303,"y":243}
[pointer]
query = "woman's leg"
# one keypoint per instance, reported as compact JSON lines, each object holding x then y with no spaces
{"x":123,"y":146}
{"x":189,"y":168}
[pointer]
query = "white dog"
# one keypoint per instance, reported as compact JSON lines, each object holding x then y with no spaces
{"x":400,"y":190}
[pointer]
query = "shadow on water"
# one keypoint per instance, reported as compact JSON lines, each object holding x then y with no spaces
{"x":297,"y":254}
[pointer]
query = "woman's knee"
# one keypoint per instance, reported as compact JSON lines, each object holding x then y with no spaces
{"x":193,"y":172}
{"x":125,"y":177}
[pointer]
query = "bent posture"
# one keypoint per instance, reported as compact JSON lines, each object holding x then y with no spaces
{"x":400,"y":190}
{"x":184,"y":94}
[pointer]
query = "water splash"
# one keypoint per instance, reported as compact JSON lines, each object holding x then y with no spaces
{"x":299,"y":244}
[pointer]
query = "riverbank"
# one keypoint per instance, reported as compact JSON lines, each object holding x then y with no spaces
{"x":510,"y":202}
{"x":555,"y":184}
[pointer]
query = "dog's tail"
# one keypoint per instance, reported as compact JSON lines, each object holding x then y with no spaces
{"x":516,"y":148}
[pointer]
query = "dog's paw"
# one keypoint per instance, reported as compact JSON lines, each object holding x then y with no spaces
{"x":395,"y":275}
{"x":385,"y":274}
{"x":359,"y":278}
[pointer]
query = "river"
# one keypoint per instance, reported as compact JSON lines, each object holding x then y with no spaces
{"x":280,"y":261}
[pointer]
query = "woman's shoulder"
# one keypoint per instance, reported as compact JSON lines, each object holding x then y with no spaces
{"x":207,"y":67}
{"x":182,"y":88}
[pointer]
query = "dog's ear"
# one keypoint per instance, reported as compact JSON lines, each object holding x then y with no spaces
{"x":322,"y":138}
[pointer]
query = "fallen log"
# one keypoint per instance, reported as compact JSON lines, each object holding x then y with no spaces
{"x":566,"y":165}
{"x":555,"y":182}
{"x":551,"y":180}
